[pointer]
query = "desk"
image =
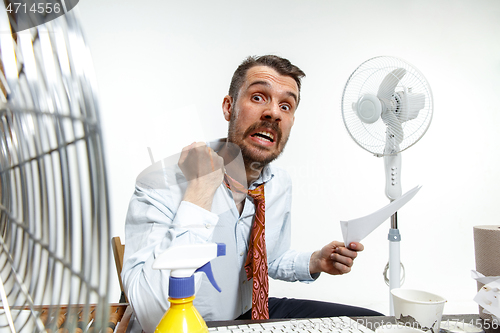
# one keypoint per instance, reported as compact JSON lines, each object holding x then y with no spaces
{"x":374,"y":322}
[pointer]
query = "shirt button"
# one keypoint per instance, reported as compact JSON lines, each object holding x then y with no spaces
{"x":208,"y":225}
{"x":242,"y":253}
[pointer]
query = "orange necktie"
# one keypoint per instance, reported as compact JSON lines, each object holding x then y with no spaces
{"x":256,"y":263}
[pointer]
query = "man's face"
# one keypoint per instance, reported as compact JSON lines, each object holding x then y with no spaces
{"x":261,"y":118}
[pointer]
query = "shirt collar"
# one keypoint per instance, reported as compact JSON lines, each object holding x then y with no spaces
{"x":266,"y":175}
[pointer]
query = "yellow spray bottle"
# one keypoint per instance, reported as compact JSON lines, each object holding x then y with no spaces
{"x":183,"y":261}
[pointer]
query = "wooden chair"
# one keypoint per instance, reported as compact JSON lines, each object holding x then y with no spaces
{"x":118,"y":251}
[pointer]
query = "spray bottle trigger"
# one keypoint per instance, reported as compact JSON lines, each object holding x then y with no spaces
{"x":207,"y":269}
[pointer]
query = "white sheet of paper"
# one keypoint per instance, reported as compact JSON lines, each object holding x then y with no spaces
{"x":488,"y":296}
{"x":483,"y":279}
{"x":357,"y":229}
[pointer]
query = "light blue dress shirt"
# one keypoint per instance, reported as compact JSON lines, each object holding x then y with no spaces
{"x":158,"y":218}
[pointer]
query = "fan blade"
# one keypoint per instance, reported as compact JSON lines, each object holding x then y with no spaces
{"x":388,"y":85}
{"x":409,"y":105}
{"x":394,"y":132}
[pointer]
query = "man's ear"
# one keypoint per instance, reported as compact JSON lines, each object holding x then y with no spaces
{"x":227,"y":107}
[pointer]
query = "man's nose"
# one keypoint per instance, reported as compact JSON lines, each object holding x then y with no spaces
{"x":272,"y":112}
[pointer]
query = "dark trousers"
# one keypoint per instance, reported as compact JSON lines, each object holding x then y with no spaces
{"x":300,"y":308}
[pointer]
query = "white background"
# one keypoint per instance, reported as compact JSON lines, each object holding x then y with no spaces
{"x":163,"y":67}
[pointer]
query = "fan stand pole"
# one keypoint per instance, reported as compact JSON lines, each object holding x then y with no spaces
{"x":394,"y":258}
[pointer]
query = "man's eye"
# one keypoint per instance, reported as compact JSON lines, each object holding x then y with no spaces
{"x":257,"y":98}
{"x":285,"y":107}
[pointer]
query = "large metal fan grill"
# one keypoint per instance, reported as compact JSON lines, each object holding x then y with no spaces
{"x":54,"y":226}
{"x":366,"y":79}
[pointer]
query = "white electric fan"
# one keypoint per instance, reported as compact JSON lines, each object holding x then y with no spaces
{"x":387,"y":107}
{"x":54,"y":225}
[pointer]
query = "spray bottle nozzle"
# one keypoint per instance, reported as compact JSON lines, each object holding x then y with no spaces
{"x":221,"y":249}
{"x":184,"y":261}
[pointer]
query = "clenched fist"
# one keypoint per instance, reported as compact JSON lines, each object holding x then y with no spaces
{"x":204,"y":170}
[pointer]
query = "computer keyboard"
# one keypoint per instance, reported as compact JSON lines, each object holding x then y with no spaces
{"x":333,"y":324}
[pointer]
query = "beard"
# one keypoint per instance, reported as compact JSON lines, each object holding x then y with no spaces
{"x":253,"y":154}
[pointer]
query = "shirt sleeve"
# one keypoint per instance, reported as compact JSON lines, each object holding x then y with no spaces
{"x":156,"y":220}
{"x":292,"y":266}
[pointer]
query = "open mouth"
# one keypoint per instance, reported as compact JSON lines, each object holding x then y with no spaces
{"x":264,"y":135}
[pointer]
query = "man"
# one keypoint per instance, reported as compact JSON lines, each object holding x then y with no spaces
{"x":201,"y":200}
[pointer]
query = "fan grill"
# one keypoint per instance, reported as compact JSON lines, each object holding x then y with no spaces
{"x":366,"y":79}
{"x":54,"y":225}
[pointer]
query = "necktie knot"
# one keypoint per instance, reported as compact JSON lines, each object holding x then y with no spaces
{"x":257,"y":194}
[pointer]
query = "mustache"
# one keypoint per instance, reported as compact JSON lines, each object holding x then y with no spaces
{"x":265,"y":124}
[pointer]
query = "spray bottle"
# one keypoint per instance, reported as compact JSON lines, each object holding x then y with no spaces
{"x":184,"y":261}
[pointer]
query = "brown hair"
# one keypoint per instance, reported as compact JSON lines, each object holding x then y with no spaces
{"x":281,"y":65}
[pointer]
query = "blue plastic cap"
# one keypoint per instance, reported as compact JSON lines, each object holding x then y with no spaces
{"x":181,"y":287}
{"x":221,"y":249}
